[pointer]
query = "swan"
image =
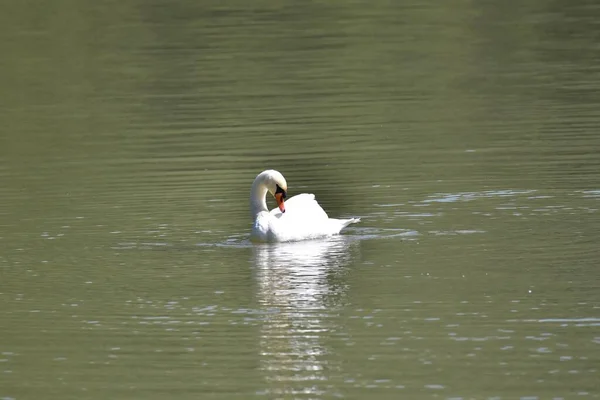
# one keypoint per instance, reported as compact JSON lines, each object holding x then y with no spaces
{"x":298,"y":218}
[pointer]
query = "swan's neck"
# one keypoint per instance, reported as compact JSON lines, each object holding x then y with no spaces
{"x":258,"y":202}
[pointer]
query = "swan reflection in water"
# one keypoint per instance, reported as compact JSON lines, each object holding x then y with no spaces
{"x":301,"y":285}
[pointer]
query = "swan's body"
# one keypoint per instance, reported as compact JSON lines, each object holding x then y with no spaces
{"x":300,"y":218}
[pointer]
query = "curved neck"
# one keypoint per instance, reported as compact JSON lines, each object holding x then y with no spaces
{"x":258,"y":202}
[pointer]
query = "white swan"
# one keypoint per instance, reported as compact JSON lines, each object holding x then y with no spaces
{"x":298,"y":218}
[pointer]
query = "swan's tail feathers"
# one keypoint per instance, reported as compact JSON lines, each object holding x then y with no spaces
{"x":346,"y":222}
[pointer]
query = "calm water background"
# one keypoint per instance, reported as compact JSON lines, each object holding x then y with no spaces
{"x":465,"y":134}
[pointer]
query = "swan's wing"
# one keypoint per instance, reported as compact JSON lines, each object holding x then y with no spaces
{"x":302,"y":206}
{"x":303,"y":219}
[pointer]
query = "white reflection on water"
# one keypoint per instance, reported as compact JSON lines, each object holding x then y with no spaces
{"x":300,"y":283}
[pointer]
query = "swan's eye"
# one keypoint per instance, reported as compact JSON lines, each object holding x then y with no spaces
{"x":280,"y":190}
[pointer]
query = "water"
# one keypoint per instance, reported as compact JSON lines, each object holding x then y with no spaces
{"x":464,"y":135}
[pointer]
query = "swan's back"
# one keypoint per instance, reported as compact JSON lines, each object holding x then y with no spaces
{"x":303,"y":219}
{"x":302,"y":206}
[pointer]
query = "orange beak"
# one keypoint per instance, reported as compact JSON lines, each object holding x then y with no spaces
{"x":279,"y":198}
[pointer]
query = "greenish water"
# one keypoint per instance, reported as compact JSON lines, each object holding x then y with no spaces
{"x":465,"y":135}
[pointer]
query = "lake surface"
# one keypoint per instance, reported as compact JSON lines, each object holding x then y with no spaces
{"x":465,"y":135}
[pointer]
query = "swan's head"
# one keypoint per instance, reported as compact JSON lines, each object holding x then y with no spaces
{"x":276,"y":185}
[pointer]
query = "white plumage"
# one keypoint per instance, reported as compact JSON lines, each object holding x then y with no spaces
{"x":302,"y":218}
